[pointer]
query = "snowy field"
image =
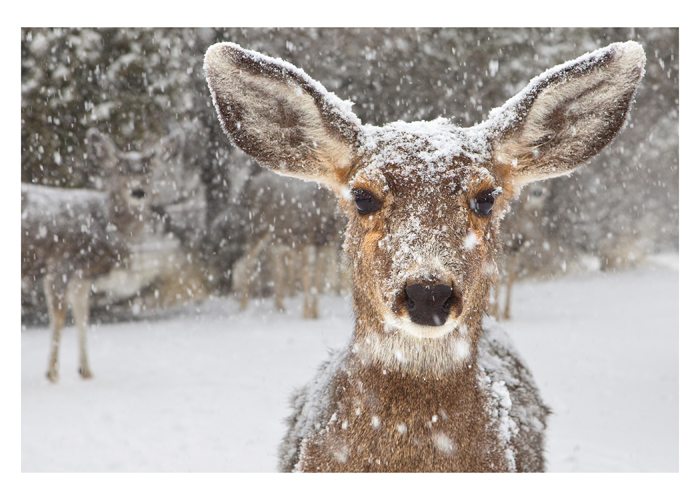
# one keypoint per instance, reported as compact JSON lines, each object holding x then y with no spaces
{"x":208,"y":390}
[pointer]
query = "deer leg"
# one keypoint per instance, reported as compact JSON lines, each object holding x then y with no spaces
{"x":243,"y":271}
{"x":332,"y":269}
{"x":79,"y":300}
{"x":317,"y":284}
{"x":510,"y":280}
{"x":241,"y":282}
{"x":55,"y":302}
{"x":344,"y":272}
{"x":279,"y":277}
{"x":296,"y":269}
{"x":310,"y":282}
{"x":495,"y":306}
{"x":323,"y":271}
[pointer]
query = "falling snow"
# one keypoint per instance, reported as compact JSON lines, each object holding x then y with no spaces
{"x":161,"y":216}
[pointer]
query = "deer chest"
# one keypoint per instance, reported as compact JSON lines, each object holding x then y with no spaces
{"x":395,"y":424}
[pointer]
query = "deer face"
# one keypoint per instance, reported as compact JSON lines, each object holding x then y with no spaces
{"x":126,"y":175}
{"x":423,"y":225}
{"x":131,"y":181}
{"x":424,"y":199}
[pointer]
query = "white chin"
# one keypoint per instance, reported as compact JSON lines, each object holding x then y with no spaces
{"x":408,"y":327}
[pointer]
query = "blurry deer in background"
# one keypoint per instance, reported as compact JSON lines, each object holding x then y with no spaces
{"x":296,"y":224}
{"x":70,"y":237}
{"x":423,"y":385}
{"x":524,"y":243}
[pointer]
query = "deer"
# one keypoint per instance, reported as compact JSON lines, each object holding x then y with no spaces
{"x":288,"y":217}
{"x":73,"y":237}
{"x":427,"y":381}
{"x":523,"y":244}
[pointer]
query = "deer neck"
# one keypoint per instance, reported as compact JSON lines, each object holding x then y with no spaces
{"x":390,"y":416}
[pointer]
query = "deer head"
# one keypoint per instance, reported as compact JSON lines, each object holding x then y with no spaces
{"x":126,"y":174}
{"x":423,"y":199}
{"x":128,"y":177}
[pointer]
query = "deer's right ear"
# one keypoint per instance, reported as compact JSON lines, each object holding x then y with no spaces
{"x":277,"y":114}
{"x":100,"y":147}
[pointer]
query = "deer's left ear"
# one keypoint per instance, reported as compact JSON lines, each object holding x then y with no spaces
{"x":277,"y":114}
{"x":568,"y":114}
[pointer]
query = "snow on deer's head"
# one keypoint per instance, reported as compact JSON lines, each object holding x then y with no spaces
{"x":424,"y":199}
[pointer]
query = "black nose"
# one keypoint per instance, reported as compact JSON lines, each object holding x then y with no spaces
{"x":429,"y":304}
{"x":138,"y":193}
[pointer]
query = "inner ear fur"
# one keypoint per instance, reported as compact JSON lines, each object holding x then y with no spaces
{"x":568,"y":114}
{"x":277,"y":114}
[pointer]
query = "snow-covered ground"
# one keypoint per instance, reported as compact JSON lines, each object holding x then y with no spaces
{"x":208,"y":391}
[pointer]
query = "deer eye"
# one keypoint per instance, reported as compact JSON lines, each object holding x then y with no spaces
{"x":138,"y":193}
{"x":365,"y":201}
{"x":482,"y":203}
